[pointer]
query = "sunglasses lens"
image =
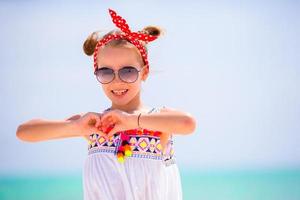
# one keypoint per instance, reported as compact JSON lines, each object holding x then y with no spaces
{"x":105,"y":75}
{"x":128,"y":74}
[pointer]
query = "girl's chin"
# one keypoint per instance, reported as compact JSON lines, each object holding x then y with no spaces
{"x":119,"y":96}
{"x":119,"y":100}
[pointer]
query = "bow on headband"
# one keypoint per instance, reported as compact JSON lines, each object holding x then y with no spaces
{"x":132,"y":37}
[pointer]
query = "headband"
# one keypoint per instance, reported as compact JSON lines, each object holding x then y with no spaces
{"x":132,"y":37}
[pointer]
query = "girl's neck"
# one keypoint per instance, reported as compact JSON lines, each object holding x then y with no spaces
{"x":135,"y":105}
{"x":128,"y":108}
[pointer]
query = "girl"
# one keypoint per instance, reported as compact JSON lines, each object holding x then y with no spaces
{"x":130,"y":145}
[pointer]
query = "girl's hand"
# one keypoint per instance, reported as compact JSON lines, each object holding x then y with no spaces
{"x":89,"y":123}
{"x":116,"y":120}
{"x":164,"y":138}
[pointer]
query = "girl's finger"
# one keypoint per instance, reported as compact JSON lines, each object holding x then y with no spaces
{"x":111,"y":120}
{"x":105,"y":124}
{"x":109,"y":116}
{"x":105,"y":115}
{"x":109,"y":135}
{"x":98,"y":123}
{"x":108,"y":121}
{"x":104,"y":118}
{"x":111,"y":132}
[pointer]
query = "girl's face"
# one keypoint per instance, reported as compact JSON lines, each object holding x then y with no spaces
{"x":117,"y":58}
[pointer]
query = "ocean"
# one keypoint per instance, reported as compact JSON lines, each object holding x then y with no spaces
{"x":281,"y":184}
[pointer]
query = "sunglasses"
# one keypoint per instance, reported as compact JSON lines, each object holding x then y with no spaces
{"x":127,"y":74}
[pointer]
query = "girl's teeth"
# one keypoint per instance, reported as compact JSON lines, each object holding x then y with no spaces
{"x":119,"y":92}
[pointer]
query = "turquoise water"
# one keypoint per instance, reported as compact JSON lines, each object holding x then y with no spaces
{"x":200,"y":185}
{"x":242,"y":185}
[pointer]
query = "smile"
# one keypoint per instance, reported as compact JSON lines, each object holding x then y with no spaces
{"x":119,"y":92}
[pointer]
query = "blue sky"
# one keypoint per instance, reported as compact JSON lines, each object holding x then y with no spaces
{"x":234,"y":65}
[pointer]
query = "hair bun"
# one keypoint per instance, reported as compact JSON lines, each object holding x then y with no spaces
{"x":152,"y":30}
{"x":90,"y":43}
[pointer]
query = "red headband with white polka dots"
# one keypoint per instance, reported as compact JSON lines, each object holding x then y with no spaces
{"x":132,"y":37}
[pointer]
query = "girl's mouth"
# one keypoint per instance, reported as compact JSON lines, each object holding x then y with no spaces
{"x":119,"y":93}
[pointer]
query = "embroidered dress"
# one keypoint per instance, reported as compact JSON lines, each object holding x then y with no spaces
{"x":150,"y":173}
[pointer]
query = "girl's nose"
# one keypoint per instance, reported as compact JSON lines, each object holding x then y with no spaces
{"x":117,"y":78}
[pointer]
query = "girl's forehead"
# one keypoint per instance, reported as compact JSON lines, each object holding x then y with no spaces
{"x":116,"y":57}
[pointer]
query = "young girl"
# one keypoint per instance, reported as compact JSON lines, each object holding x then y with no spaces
{"x":130,"y":145}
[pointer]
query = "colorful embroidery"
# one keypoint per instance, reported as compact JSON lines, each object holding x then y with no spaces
{"x":134,"y":143}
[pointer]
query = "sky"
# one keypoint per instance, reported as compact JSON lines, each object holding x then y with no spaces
{"x":233,"y":65}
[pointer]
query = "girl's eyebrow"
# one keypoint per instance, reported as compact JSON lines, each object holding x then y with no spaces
{"x":105,"y":66}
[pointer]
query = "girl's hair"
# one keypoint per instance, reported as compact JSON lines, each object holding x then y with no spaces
{"x":92,"y":40}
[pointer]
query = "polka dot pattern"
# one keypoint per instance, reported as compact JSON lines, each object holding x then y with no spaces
{"x":132,"y":37}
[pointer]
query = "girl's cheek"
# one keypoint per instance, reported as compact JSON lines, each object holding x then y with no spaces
{"x":107,"y":92}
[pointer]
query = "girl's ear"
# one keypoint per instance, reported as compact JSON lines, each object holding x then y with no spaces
{"x":145,"y":73}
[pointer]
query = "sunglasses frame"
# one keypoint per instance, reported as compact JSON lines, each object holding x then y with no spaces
{"x":117,"y":71}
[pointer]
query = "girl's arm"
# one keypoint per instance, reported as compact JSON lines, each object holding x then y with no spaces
{"x":40,"y":130}
{"x":168,"y":120}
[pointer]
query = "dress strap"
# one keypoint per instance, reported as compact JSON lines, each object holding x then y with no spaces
{"x":151,"y":110}
{"x":156,"y":109}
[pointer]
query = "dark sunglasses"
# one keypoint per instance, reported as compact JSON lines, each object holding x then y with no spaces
{"x":126,"y":74}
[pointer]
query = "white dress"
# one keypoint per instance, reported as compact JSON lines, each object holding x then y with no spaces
{"x":149,"y":174}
